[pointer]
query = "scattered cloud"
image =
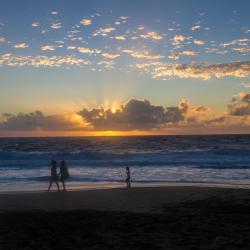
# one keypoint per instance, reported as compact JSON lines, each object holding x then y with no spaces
{"x":71,"y":47}
{"x":107,"y":64}
{"x":174,"y":56}
{"x":177,"y":55}
{"x":42,"y":61}
{"x":110,"y":55}
{"x":86,"y":22}
{"x":35,"y":24}
{"x":21,"y":46}
{"x":196,"y":27}
{"x":103,"y":31}
{"x":120,"y":38}
{"x":85,"y":50}
{"x":56,"y":25}
{"x":54,"y":12}
{"x":142,"y":55}
{"x":199,"y":42}
{"x":152,"y":35}
{"x":47,"y":48}
{"x":245,"y":84}
{"x":238,"y":42}
{"x":121,"y":20}
{"x":2,"y":39}
{"x":160,"y":70}
{"x":243,"y":51}
{"x":188,"y":53}
{"x":179,"y":38}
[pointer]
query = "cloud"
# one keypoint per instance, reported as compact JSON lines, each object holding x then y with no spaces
{"x":199,"y":42}
{"x":38,"y":121}
{"x":86,"y":50}
{"x":152,"y":35}
{"x":110,"y":55}
{"x":177,"y":55}
{"x":86,"y":22}
{"x":188,"y":53}
{"x":54,"y":12}
{"x":2,"y":39}
{"x":56,"y":25}
{"x":238,"y":42}
{"x":124,"y":17}
{"x":121,"y":20}
{"x":243,"y":50}
{"x":138,"y":115}
{"x":71,"y":47}
{"x":47,"y":48}
{"x":21,"y":46}
{"x":103,"y":31}
{"x":245,"y":84}
{"x":107,"y":64}
{"x":160,"y":70}
{"x":240,"y":105}
{"x":216,"y":121}
{"x":142,"y":55}
{"x":133,"y":115}
{"x":179,"y":38}
{"x":42,"y":61}
{"x":35,"y":24}
{"x":120,"y":38}
{"x":196,"y":27}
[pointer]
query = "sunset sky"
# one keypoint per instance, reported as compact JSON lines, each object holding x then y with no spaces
{"x":108,"y":67}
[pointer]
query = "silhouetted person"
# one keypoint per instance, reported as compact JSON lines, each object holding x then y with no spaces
{"x":64,"y":174}
{"x":128,"y":177}
{"x":53,"y":176}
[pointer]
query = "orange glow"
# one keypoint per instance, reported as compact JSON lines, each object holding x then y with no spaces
{"x":74,"y":118}
{"x":113,"y":105}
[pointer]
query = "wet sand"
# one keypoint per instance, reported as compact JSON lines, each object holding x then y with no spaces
{"x":139,"y":218}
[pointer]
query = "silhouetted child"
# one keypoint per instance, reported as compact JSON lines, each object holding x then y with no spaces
{"x":64,"y":174}
{"x":128,"y":177}
{"x":53,"y":176}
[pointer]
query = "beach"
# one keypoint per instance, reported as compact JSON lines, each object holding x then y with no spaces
{"x":174,"y":217}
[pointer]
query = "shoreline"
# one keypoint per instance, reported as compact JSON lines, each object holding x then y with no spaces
{"x":118,"y":185}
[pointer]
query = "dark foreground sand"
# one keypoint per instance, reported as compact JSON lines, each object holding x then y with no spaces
{"x":140,"y":218}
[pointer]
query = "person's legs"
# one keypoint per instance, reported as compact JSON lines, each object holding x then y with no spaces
{"x":127,"y":182}
{"x":50,"y":184}
{"x":63,"y":183}
{"x":58,"y":188}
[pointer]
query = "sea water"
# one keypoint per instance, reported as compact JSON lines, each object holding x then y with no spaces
{"x":101,"y":161}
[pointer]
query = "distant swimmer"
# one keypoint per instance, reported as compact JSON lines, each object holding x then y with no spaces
{"x":53,"y":176}
{"x":63,"y":174}
{"x":128,"y":182}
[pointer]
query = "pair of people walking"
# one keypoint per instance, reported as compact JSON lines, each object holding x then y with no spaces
{"x":62,"y":176}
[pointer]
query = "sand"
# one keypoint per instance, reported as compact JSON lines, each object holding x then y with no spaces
{"x":139,"y":218}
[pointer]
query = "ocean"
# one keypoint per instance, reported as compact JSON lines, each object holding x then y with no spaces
{"x":101,"y":161}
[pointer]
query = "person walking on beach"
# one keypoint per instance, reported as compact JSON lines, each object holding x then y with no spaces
{"x":53,"y":176}
{"x":64,"y":174}
{"x":128,"y":182}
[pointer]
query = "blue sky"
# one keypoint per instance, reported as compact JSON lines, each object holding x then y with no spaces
{"x":62,"y":56}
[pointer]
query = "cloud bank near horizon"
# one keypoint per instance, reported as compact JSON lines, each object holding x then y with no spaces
{"x":134,"y":115}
